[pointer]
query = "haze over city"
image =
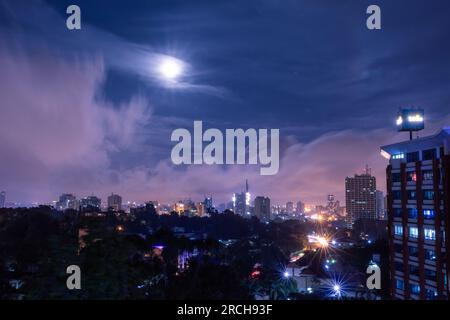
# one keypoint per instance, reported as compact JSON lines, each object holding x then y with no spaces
{"x":87,"y":112}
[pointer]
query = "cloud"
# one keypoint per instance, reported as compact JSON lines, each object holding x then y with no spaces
{"x":53,"y":124}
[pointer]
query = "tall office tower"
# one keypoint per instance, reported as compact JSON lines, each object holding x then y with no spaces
{"x":208,"y":204}
{"x":360,"y":197}
{"x":241,"y":202}
{"x":200,"y":209}
{"x":2,"y":199}
{"x":115,"y":202}
{"x":67,"y":201}
{"x":418,"y":202}
{"x":300,"y":207}
{"x":262,"y":208}
{"x":381,"y":211}
{"x":289,"y":207}
{"x":91,"y":203}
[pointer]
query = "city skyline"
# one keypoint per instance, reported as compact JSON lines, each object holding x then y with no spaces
{"x":102,"y":121}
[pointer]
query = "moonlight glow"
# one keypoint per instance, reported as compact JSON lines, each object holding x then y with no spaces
{"x":170,"y":68}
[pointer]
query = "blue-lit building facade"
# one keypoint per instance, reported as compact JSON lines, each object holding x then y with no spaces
{"x":418,"y":204}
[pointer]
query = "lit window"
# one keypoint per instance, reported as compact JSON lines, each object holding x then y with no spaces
{"x":431,"y":294}
{"x":411,"y":176}
{"x":415,"y":288}
{"x":413,"y":232}
{"x":430,"y":255}
{"x":428,"y":214}
{"x":398,"y":156}
{"x":398,"y":230}
{"x":427,"y":175}
{"x":430,"y":234}
{"x":400,"y":284}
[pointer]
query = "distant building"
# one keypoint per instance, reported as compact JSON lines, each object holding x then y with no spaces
{"x":290,"y":207}
{"x":241,"y":202}
{"x":300,"y":207}
{"x":2,"y":199}
{"x":360,"y":197}
{"x":179,"y":207}
{"x":114,"y":202}
{"x":381,"y":211}
{"x":262,"y":208}
{"x":67,"y":201}
{"x":208,"y":204}
{"x":418,"y":192}
{"x":201,"y":209}
{"x":91,"y":203}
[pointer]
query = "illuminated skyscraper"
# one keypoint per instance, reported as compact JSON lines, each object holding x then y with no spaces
{"x":418,"y":204}
{"x":290,"y":207}
{"x":300,"y":207}
{"x":67,"y":201}
{"x":262,"y":208}
{"x":241,"y":202}
{"x":91,"y":203}
{"x":115,"y":202}
{"x":360,"y":197}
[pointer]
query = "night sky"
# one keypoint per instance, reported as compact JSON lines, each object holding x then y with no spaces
{"x":83,"y":111}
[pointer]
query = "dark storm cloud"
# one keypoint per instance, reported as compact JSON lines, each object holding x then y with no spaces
{"x":310,"y":68}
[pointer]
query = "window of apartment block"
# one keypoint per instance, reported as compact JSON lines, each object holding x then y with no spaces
{"x":429,"y":154}
{"x":428,"y":195}
{"x":430,"y":234}
{"x":413,"y":232}
{"x":396,"y":195}
{"x":430,"y":274}
{"x":413,"y":270}
{"x":412,"y":194}
{"x":412,"y":213}
{"x":413,"y":251}
{"x":427,"y":175}
{"x":412,"y":156}
{"x":400,"y":284}
{"x":398,"y":247}
{"x":396,"y":177}
{"x":431,"y":294}
{"x":397,"y":212}
{"x":399,"y":266}
{"x":428,"y":214}
{"x":398,"y":230}
{"x":411,"y":176}
{"x":415,"y":288}
{"x":430,"y":255}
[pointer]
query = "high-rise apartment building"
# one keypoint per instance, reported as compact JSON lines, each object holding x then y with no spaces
{"x":381,"y":210}
{"x":360,"y":197}
{"x":67,"y":201}
{"x":290,"y":207}
{"x":418,"y":204}
{"x":300,"y":207}
{"x":262,"y":208}
{"x":115,"y":202}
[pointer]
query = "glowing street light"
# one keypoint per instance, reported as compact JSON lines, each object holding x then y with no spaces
{"x":337,"y":290}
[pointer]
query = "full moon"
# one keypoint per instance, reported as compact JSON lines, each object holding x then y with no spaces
{"x":170,"y":68}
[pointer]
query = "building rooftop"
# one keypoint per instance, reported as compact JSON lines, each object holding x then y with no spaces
{"x":428,"y":142}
